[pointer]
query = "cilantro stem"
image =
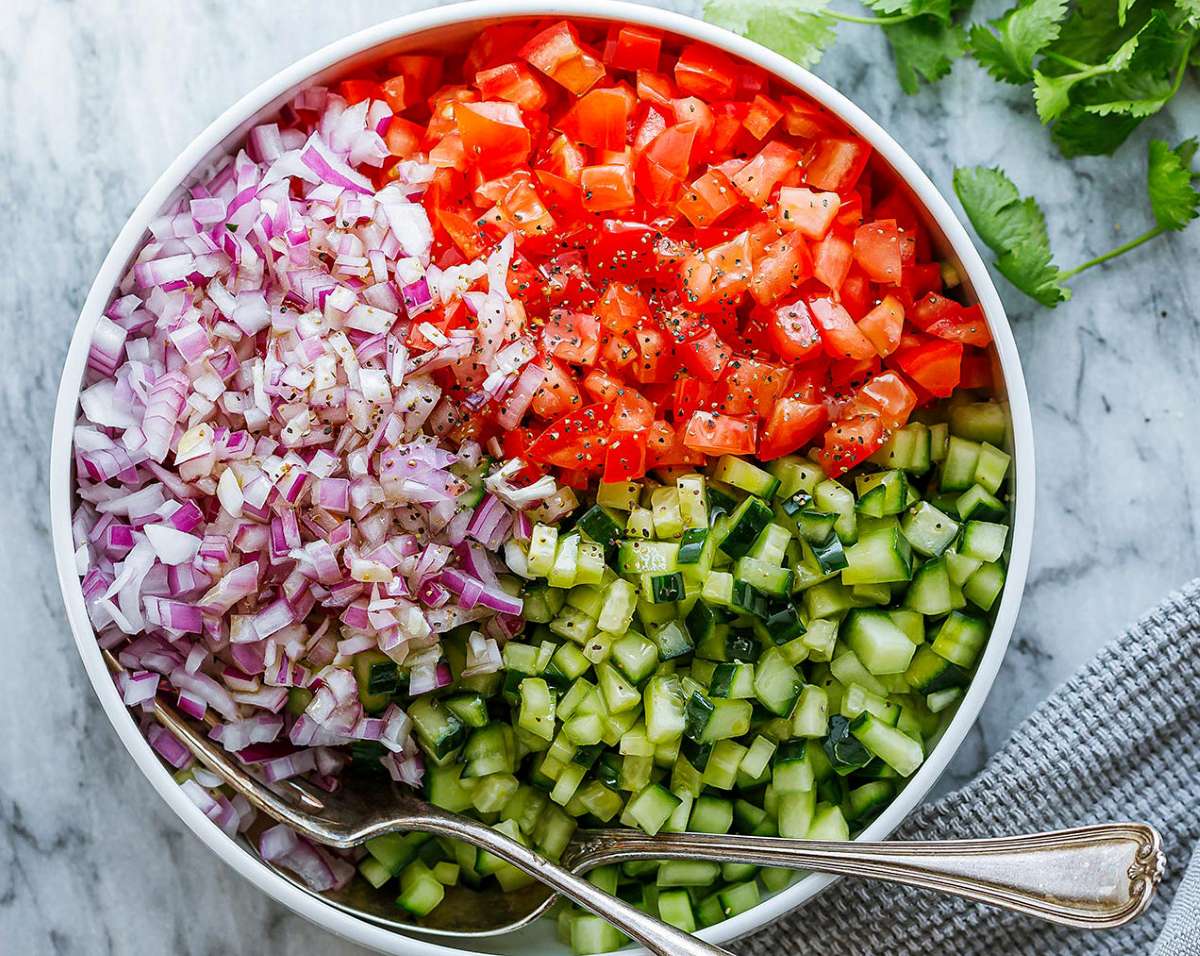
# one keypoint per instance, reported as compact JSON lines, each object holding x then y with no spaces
{"x":1113,"y":253}
{"x":1067,"y":61}
{"x":870,"y":21}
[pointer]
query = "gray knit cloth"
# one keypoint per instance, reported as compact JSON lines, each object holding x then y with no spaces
{"x":1118,"y":741}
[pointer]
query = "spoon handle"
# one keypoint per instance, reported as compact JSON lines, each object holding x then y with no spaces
{"x":1094,"y":877}
{"x":658,"y":937}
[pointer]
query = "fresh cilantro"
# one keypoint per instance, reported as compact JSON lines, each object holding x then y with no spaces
{"x":1080,"y":133}
{"x":1014,"y":228}
{"x":1007,"y":50}
{"x":924,"y":48}
{"x":799,"y":29}
{"x":1052,"y":94}
{"x":1169,"y":181}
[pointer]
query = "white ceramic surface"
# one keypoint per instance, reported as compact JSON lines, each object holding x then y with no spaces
{"x":421,"y":30}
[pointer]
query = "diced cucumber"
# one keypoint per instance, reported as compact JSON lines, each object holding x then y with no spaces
{"x":893,"y":747}
{"x":880,"y":556}
{"x":958,"y":469}
{"x":991,"y":467}
{"x":831,"y":496}
{"x":601,"y":524}
{"x":745,"y":525}
{"x":960,"y":639}
{"x":638,"y":557}
{"x":619,"y":495}
{"x":930,"y":672}
{"x":744,"y":475}
{"x":928,"y":530}
{"x":984,"y":540}
{"x":651,"y":807}
{"x":979,"y":421}
{"x":543,"y":545}
{"x":664,"y":506}
{"x":881,"y":646}
{"x":763,"y":576}
{"x":977,"y":502}
{"x":984,"y":586}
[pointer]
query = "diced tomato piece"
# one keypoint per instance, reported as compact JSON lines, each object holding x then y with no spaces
{"x":403,"y":137}
{"x":837,"y":164}
{"x":705,"y":355}
{"x":665,"y":446}
{"x":632,"y":411}
{"x":888,"y":396}
{"x":558,"y":52}
{"x":706,"y":72}
{"x":690,"y":395}
{"x":716,"y":434}
{"x":752,"y":385}
{"x":607,"y":187}
{"x":449,"y":153}
{"x":625,"y":458}
{"x":832,"y":258}
{"x":623,"y":250}
{"x":513,"y":82}
{"x":780,"y":271}
{"x":934,"y":364}
{"x":495,"y":44}
{"x":708,"y":198}
{"x":877,"y":250}
{"x":664,"y":163}
{"x":849,"y":442}
{"x":655,"y":88}
{"x":575,"y":440}
{"x":792,"y":425}
{"x":762,"y":116}
{"x":632,"y":48}
{"x":493,"y":135}
{"x":599,"y":117}
{"x":793,"y":332}
{"x":654,"y":360}
{"x":841,"y":337}
{"x":421,"y":74}
{"x":617,"y":351}
{"x":621,"y":307}
{"x":976,"y":369}
{"x":355,"y":91}
{"x":758,"y":177}
{"x":601,"y":386}
{"x":723,"y":271}
{"x":572,"y":336}
{"x":524,"y":209}
{"x":557,"y":394}
{"x":694,"y":110}
{"x":809,"y":213}
{"x":883,"y":325}
{"x":806,"y":119}
{"x":947,"y":319}
{"x":515,"y":444}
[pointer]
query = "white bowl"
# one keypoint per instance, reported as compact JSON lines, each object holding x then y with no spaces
{"x":435,"y":27}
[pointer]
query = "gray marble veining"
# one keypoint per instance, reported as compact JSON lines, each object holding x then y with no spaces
{"x":97,"y":97}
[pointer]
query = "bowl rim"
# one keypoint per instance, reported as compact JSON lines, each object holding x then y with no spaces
{"x":293,"y":77}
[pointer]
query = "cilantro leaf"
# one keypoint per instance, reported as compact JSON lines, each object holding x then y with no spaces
{"x":1135,"y":94}
{"x":1123,"y":10}
{"x":1007,"y":50}
{"x":799,"y":29}
{"x":1080,"y":133}
{"x":1190,"y":10}
{"x":1052,"y":94}
{"x":1014,"y":228}
{"x":924,"y":48}
{"x":912,"y":8}
{"x":1092,"y":31}
{"x":1174,"y":199}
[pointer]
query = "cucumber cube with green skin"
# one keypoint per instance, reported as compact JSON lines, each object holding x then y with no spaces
{"x":898,"y":750}
{"x":640,"y":524}
{"x":960,"y":639}
{"x":832,"y":496}
{"x":930,"y":591}
{"x":776,"y":683}
{"x":745,"y":525}
{"x":566,"y":562}
{"x":984,"y":540}
{"x":733,"y":680}
{"x":795,"y":474}
{"x":991,"y":467}
{"x":845,"y":751}
{"x":811,"y":717}
{"x":866,"y":801}
{"x":795,"y":814}
{"x":651,"y":807}
{"x":616,"y":612}
{"x":984,"y":586}
{"x":928,"y":530}
{"x":744,"y":475}
{"x":977,"y":502}
{"x":601,"y":524}
{"x":828,"y":824}
{"x":691,"y":546}
{"x":664,"y":505}
{"x":664,"y":702}
{"x":929,"y":672}
{"x":958,"y":469}
{"x":881,"y":556}
{"x":880,"y":494}
{"x":980,"y":422}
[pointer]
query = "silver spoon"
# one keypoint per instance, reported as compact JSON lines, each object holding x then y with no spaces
{"x":1092,"y":877}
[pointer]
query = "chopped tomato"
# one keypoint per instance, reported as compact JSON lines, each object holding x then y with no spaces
{"x":705,"y":355}
{"x":793,"y":332}
{"x":708,"y":198}
{"x":403,"y":137}
{"x":355,"y":91}
{"x":934,"y":364}
{"x":653,"y":363}
{"x":557,"y":393}
{"x":883,"y":325}
{"x":665,"y":446}
{"x":607,"y":187}
{"x":780,"y":271}
{"x":758,"y":177}
{"x":493,"y":135}
{"x":576,"y":440}
{"x":664,"y":163}
{"x":421,"y":74}
{"x":632,"y":411}
{"x":809,"y":213}
{"x":792,"y":424}
{"x":976,"y":369}
{"x":752,"y":385}
{"x":558,"y":52}
{"x":625,"y":458}
{"x":513,"y":82}
{"x":849,"y":442}
{"x":832,"y":258}
{"x":632,"y":48}
{"x":841,"y":337}
{"x":706,"y":72}
{"x":877,"y":250}
{"x":888,"y":396}
{"x":947,"y":319}
{"x":599,"y":117}
{"x":621,"y":307}
{"x":716,"y":434}
{"x":762,"y":116}
{"x":837,"y":164}
{"x":572,"y":336}
{"x":623,"y":250}
{"x":601,"y":386}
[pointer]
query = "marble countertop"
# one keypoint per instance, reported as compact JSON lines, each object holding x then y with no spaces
{"x":99,"y":96}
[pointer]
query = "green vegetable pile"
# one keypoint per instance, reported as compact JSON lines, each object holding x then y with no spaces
{"x":1097,"y":69}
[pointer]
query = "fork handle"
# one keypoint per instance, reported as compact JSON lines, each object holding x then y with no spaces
{"x":658,"y":937}
{"x":1093,"y":877}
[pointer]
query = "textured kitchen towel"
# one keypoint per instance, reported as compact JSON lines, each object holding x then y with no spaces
{"x":1118,"y":741}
